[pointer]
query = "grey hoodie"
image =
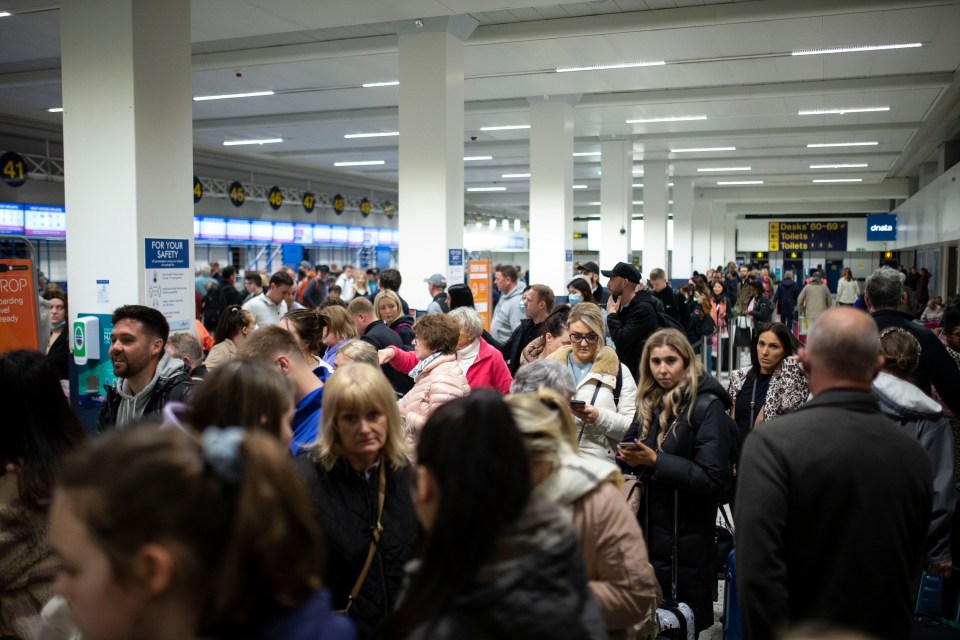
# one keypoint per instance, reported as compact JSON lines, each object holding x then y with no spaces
{"x":132,"y":406}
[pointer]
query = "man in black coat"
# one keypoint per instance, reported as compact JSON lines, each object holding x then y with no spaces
{"x":833,"y":500}
{"x":665,"y":293}
{"x":884,"y":293}
{"x":380,"y":336}
{"x":631,"y":316}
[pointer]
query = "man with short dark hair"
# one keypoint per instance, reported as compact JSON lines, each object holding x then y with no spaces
{"x":391,"y":279}
{"x":631,"y":315}
{"x":186,"y":348}
{"x":219,"y":297}
{"x":664,"y":292}
{"x":833,"y":500}
{"x":270,"y":306}
{"x":253,"y":283}
{"x":508,"y":314}
{"x":591,"y":272}
{"x":147,"y":377}
{"x":277,"y":348}
{"x":538,"y":301}
{"x":883,"y":295}
{"x":437,"y":287}
{"x":381,"y":336}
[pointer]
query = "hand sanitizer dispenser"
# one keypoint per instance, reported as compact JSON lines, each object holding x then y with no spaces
{"x":86,"y":339}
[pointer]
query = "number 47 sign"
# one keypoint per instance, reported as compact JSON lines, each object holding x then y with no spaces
{"x":13,"y":169}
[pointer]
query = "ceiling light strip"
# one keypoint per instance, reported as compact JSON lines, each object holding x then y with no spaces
{"x":473,"y":158}
{"x":388,"y":83}
{"x":667,"y":119}
{"x":55,"y":110}
{"x":506,"y":127}
{"x":840,"y":111}
{"x":859,"y":165}
{"x":619,"y":65}
{"x":373,"y":134}
{"x":738,"y":182}
{"x":237,"y":143}
{"x":702,"y":149}
{"x":359,"y":163}
{"x":480,"y":189}
{"x":839,"y":180}
{"x":857,"y":49}
{"x":823,"y":145}
{"x":723,"y":169}
{"x":585,"y":154}
{"x":231,"y":96}
{"x":515,"y":175}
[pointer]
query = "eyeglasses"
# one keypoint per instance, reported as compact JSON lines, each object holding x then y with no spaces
{"x":590,"y":338}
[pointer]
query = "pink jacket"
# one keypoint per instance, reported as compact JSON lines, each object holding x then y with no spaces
{"x":440,"y":382}
{"x":489,"y":370}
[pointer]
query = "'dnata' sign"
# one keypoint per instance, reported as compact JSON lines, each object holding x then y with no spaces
{"x":881,"y":227}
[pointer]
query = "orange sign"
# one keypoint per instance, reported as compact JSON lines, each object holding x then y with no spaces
{"x":18,"y":306}
{"x":479,"y":278}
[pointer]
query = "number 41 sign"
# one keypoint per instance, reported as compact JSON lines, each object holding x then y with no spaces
{"x":13,"y":169}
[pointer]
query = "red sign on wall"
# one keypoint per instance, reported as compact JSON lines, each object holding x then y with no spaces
{"x":18,"y":306}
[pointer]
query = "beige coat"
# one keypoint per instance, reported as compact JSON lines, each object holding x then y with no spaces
{"x":814,"y":300}
{"x":220,"y":353}
{"x":440,"y":382}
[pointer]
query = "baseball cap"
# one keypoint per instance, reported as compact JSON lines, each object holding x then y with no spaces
{"x":591,"y":267}
{"x":436,"y":280}
{"x":625,"y":271}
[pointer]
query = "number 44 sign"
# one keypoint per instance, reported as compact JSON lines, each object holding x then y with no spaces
{"x":13,"y":169}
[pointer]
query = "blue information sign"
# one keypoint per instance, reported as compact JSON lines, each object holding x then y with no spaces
{"x":881,"y":227}
{"x":166,"y":253}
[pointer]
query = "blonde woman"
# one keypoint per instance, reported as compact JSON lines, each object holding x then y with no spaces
{"x":617,"y":567}
{"x":605,"y":399}
{"x":358,"y":464}
{"x":356,"y":350}
{"x":388,"y":307}
{"x":681,"y":446}
{"x":847,"y":289}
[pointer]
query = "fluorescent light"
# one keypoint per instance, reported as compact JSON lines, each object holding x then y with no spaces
{"x":479,"y":224}
{"x":840,"y":111}
{"x":4,"y":14}
{"x":471,"y":158}
{"x":841,"y":180}
{"x":619,"y":65}
{"x":702,"y":149}
{"x":732,"y":182}
{"x":515,"y":175}
{"x":638,"y":185}
{"x":638,"y":202}
{"x":839,"y":166}
{"x":493,"y":223}
{"x":358,"y":163}
{"x":667,"y":119}
{"x":584,"y":154}
{"x":486,"y":189}
{"x":374,"y":134}
{"x":580,"y":186}
{"x":56,"y":110}
{"x":593,"y":204}
{"x":389,"y":83}
{"x":229,"y":96}
{"x":516,"y":224}
{"x":505,"y":224}
{"x":507,"y":127}
{"x":868,"y":47}
{"x":722,"y":169}
{"x":235,"y":143}
{"x":821,"y":145}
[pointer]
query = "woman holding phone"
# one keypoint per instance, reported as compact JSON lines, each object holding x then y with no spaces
{"x":680,"y":445}
{"x":604,"y":401}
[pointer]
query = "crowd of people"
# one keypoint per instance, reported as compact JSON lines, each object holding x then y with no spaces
{"x":330,"y":465}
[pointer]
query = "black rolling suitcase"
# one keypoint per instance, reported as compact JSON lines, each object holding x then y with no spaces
{"x":675,"y":619}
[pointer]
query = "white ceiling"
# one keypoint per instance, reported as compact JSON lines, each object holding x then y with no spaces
{"x":729,"y":61}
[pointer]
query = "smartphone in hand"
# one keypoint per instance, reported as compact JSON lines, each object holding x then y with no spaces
{"x":577,"y":404}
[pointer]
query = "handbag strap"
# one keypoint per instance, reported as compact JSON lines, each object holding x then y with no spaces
{"x":378,"y":529}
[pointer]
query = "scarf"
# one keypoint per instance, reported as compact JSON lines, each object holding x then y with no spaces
{"x":417,"y":370}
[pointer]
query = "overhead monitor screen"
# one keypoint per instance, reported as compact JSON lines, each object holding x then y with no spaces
{"x":238,"y":229}
{"x":47,"y":221}
{"x":283,"y":232}
{"x":303,"y":233}
{"x":355,"y":237}
{"x":213,"y":229}
{"x":384,"y":237}
{"x":338,"y":234}
{"x":322,"y":233}
{"x":11,"y":218}
{"x":261,"y":230}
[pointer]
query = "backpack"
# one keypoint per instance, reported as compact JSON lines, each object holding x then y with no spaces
{"x":664,"y":319}
{"x":736,"y":443}
{"x":213,"y":305}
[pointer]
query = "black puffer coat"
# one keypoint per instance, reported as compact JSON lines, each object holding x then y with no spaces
{"x":693,"y":467}
{"x":346,"y":506}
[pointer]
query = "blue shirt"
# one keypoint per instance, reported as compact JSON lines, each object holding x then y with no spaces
{"x":306,"y":420}
{"x":578,"y":371}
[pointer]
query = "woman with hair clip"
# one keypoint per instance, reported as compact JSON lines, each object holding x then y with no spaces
{"x":175,"y":547}
{"x":553,"y":335}
{"x":617,"y":567}
{"x":307,"y":328}
{"x":232,"y":330}
{"x":681,"y":446}
{"x":922,"y":417}
{"x":357,"y":478}
{"x":498,"y":563}
{"x":38,"y":430}
{"x":774,"y":384}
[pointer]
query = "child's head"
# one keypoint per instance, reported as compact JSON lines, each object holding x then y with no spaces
{"x":154,"y":526}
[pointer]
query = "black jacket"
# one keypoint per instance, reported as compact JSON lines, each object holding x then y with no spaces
{"x":669,"y":299}
{"x":173,"y":388}
{"x":785,"y":299}
{"x":936,"y":365}
{"x":59,"y":354}
{"x":534,"y":589}
{"x":381,"y":336}
{"x":403,"y":326}
{"x":833,"y":504}
{"x":762,"y":310}
{"x":693,"y":467}
{"x":630,"y":327}
{"x":523,"y":335}
{"x":601,"y":294}
{"x":345,"y":503}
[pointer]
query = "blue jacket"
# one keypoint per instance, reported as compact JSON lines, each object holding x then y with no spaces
{"x":313,"y":620}
{"x":306,"y":421}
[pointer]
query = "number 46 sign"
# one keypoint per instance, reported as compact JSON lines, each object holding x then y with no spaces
{"x":13,"y":169}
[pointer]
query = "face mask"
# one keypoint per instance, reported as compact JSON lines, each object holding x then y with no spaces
{"x":573,"y":298}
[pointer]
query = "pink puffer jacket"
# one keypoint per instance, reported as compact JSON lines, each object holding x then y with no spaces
{"x":440,"y":382}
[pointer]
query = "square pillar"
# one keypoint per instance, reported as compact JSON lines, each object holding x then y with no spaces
{"x":655,"y":191}
{"x":701,"y":234}
{"x":718,"y":221}
{"x":681,"y":263}
{"x":616,"y":201}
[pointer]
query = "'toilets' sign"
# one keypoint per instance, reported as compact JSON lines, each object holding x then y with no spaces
{"x":829,"y":235}
{"x":881,"y":227}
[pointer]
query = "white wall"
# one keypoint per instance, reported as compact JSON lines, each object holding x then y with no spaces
{"x":932,"y":215}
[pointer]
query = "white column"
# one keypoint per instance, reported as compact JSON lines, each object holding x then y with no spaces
{"x":128,"y":149}
{"x":718,"y":220}
{"x":431,"y":151}
{"x":730,"y":236}
{"x":616,"y":201}
{"x":701,"y":234}
{"x":551,"y":192}
{"x":655,"y":192}
{"x":681,"y":263}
